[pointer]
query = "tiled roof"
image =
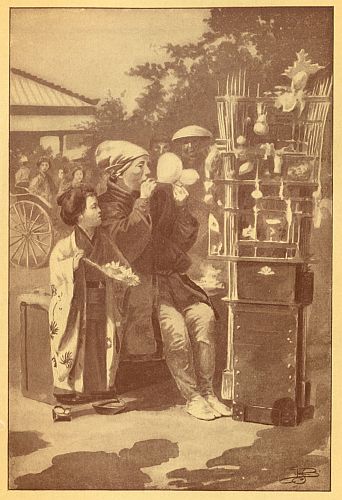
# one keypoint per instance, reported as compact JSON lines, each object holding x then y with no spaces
{"x":30,"y":90}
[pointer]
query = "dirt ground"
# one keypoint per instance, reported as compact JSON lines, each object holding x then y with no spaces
{"x":155,"y":444}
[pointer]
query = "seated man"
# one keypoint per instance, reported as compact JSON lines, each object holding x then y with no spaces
{"x":83,"y":317}
{"x":154,"y":232}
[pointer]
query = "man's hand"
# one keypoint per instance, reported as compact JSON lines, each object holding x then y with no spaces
{"x":147,"y":188}
{"x":180,"y":195}
{"x":77,"y":257}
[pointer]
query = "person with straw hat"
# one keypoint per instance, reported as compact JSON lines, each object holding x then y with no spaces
{"x":144,"y":226}
{"x":193,"y":144}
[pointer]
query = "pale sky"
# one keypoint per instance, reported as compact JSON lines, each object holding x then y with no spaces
{"x":89,"y":50}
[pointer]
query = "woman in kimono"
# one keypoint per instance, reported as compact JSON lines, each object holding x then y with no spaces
{"x":42,"y":185}
{"x":77,"y":176}
{"x":84,"y":311}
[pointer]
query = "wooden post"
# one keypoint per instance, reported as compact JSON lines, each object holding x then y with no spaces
{"x":61,"y":145}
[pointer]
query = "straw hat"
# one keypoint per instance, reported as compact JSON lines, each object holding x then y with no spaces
{"x":192,"y":131}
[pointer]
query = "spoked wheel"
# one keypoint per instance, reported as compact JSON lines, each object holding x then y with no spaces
{"x":31,"y":236}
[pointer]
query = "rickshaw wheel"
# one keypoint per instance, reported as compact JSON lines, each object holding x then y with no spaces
{"x":30,"y":234}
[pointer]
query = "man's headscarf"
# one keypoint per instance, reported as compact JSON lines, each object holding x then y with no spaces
{"x":116,"y":156}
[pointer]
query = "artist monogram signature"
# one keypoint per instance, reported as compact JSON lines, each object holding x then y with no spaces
{"x":299,"y":475}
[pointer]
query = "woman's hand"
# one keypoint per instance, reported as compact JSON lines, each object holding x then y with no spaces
{"x":147,"y":188}
{"x":77,"y":257}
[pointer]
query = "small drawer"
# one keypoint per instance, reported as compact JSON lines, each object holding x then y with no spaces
{"x":266,"y":282}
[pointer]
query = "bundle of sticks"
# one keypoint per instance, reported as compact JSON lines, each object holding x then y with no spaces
{"x":231,"y":113}
{"x":316,"y":117}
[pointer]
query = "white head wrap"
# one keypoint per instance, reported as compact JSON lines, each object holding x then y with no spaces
{"x":116,"y":156}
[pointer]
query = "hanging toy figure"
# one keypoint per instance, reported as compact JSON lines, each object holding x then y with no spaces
{"x":288,"y":218}
{"x":281,"y":190}
{"x":257,"y":194}
{"x":278,"y":161}
{"x":290,"y":98}
{"x":261,"y":126}
{"x":317,"y":214}
{"x":240,"y":150}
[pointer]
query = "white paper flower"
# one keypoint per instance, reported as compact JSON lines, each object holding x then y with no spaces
{"x":121,"y":273}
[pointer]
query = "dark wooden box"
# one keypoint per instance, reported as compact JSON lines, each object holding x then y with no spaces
{"x":260,"y":281}
{"x":282,"y":283}
{"x":36,"y":371}
{"x":269,"y":385}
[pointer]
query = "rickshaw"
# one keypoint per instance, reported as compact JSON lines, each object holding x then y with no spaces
{"x":31,"y":229}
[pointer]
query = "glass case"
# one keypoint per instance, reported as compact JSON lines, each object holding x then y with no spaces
{"x":267,"y":185}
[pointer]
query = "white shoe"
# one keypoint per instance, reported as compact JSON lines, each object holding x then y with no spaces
{"x":199,"y":408}
{"x":217,"y":406}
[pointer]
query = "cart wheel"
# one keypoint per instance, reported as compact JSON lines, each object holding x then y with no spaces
{"x":31,"y":236}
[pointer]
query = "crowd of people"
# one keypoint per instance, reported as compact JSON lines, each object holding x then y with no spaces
{"x":42,"y":184}
{"x":35,"y":175}
{"x":148,"y":216}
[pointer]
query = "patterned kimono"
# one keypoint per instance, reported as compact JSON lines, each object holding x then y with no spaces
{"x":84,"y":316}
{"x":42,"y":185}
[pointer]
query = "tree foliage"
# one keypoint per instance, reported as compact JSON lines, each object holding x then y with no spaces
{"x":182,"y":90}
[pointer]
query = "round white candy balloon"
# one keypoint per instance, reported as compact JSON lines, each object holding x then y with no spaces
{"x":169,"y":168}
{"x":189,"y":176}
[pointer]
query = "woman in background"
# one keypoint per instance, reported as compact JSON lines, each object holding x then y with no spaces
{"x":77,"y":176}
{"x":42,"y":185}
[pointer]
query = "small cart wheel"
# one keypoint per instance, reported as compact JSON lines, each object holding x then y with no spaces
{"x":31,"y":235}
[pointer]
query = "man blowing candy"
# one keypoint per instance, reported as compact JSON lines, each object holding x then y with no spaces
{"x":154,"y":237}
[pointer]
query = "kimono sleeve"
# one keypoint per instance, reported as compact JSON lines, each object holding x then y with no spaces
{"x":61,"y":267}
{"x":62,"y":292}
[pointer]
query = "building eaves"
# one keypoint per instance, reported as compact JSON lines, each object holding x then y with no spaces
{"x":53,"y":86}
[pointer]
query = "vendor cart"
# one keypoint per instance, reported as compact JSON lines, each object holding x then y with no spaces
{"x":267,"y":194}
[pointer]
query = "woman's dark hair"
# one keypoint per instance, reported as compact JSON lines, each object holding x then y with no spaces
{"x":73,"y":202}
{"x":43,"y":159}
{"x":76,"y":169}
